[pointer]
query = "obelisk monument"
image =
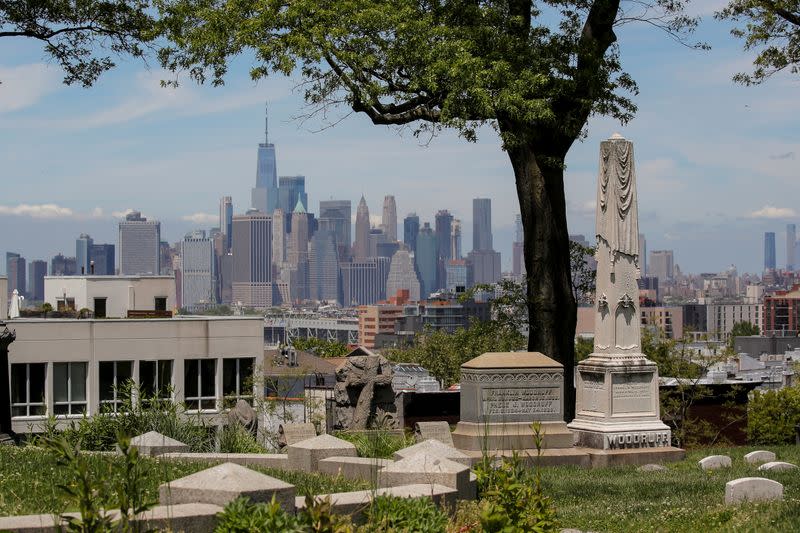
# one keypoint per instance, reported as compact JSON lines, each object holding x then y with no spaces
{"x":617,"y":386}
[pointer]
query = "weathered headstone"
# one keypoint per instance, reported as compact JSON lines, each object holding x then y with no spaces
{"x":502,"y":394}
{"x":776,"y":466}
{"x":713,"y":462}
{"x":651,"y":468}
{"x":224,"y":483}
{"x":429,"y":469}
{"x":617,"y":386}
{"x":759,"y":456}
{"x":363,"y":386}
{"x":289,"y":434}
{"x":306,"y":454}
{"x":752,"y":489}
{"x":154,"y":443}
{"x":433,"y":430}
{"x":434,"y":447}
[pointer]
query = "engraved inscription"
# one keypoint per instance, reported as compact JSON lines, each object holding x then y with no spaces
{"x":521,"y":401}
{"x":593,"y":391}
{"x":632,"y":393}
{"x":638,"y":440}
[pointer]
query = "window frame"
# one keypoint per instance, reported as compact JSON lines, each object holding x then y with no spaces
{"x":28,"y":404}
{"x":115,"y":402}
{"x":229,"y":400}
{"x":200,"y":398}
{"x":70,"y":402}
{"x":169,"y":392}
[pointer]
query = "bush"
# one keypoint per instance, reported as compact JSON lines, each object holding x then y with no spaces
{"x":393,"y":514}
{"x":241,"y":516}
{"x":772,"y":416}
{"x":234,"y":438}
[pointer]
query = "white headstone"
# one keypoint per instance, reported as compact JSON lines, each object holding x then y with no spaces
{"x":752,"y":489}
{"x":759,"y":456}
{"x":713,"y":462}
{"x":776,"y":466}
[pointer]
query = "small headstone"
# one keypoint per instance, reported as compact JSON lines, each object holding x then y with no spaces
{"x":434,"y":447}
{"x":776,"y":466}
{"x":759,"y":456}
{"x":306,"y":454}
{"x":428,"y":468}
{"x":154,"y":443}
{"x":293,"y":433}
{"x":712,"y":462}
{"x":651,"y":468}
{"x":752,"y":489}
{"x":433,"y":430}
{"x":224,"y":483}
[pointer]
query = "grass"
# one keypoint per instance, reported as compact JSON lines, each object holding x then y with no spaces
{"x":682,"y":498}
{"x":376,"y":443}
{"x":29,"y":479}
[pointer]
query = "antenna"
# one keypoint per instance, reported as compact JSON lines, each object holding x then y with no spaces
{"x":266,"y":123}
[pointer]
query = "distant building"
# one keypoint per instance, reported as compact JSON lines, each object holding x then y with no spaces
{"x":364,"y":281}
{"x":264,"y":196}
{"x":662,"y":265}
{"x":101,"y":260}
{"x":3,"y":297}
{"x":455,"y":240}
{"x":484,"y":266}
{"x":389,"y":218}
{"x":668,"y":321}
{"x":410,"y":231}
{"x":62,"y":266}
{"x":279,"y":239}
{"x":291,"y":189}
{"x":252,"y":260}
{"x":324,"y":277}
{"x":139,"y":245}
{"x":782,"y":312}
{"x":37,"y":270}
{"x":769,"y":250}
{"x":361,"y":245}
{"x":15,"y":270}
{"x":643,"y":255}
{"x":83,"y":252}
{"x":518,"y":249}
{"x":110,"y":296}
{"x":444,"y":231}
{"x":226,"y":221}
{"x":375,"y":239}
{"x":722,"y":317}
{"x":198,"y":271}
{"x":297,"y":252}
{"x":426,"y":260}
{"x":403,"y":276}
{"x":791,"y":245}
{"x":457,"y":275}
{"x":336,"y":216}
{"x":482,"y":224}
{"x":376,"y":319}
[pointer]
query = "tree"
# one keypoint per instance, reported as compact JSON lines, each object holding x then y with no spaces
{"x":773,"y":27}
{"x":583,"y":273}
{"x":533,"y":70}
{"x":741,"y":329}
{"x":73,"y":31}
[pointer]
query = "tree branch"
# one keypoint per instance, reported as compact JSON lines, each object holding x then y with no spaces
{"x":785,"y":14}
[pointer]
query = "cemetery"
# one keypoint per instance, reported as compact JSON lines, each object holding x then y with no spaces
{"x":512,"y":460}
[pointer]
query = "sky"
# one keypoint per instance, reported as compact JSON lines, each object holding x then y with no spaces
{"x":717,"y":163}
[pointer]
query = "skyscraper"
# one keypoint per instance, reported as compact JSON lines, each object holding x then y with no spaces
{"x":83,"y":247}
{"x":769,"y":250}
{"x":37,"y":270}
{"x":482,"y":224}
{"x":252,"y":260}
{"x":279,"y":234}
{"x":15,"y":270}
{"x":225,"y":220}
{"x":791,"y":242}
{"x":361,"y":245}
{"x":426,"y":260}
{"x":264,"y":196}
{"x":389,"y":218}
{"x":364,"y":281}
{"x":518,"y":249}
{"x":297,"y":253}
{"x":483,"y":267}
{"x":62,"y":266}
{"x":336,"y":216}
{"x":662,"y":265}
{"x":139,"y":245}
{"x":290,"y":190}
{"x":444,"y":231}
{"x":402,"y":275}
{"x":101,"y":260}
{"x":455,"y":240}
{"x":410,"y":231}
{"x":198,"y":271}
{"x":324,"y":277}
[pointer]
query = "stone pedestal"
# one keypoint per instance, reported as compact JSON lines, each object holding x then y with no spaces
{"x":502,"y":394}
{"x":617,"y":404}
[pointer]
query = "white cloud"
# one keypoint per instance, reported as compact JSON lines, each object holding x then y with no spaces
{"x":37,"y":211}
{"x":122,"y":214}
{"x":769,"y":211}
{"x":24,"y":85}
{"x":201,"y":218}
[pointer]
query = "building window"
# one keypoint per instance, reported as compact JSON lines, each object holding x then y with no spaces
{"x":160,"y":303}
{"x":99,"y":307}
{"x":113,"y":376}
{"x":155,"y":379}
{"x":200,"y":384}
{"x":27,"y":389}
{"x":65,"y":304}
{"x":237,"y":380}
{"x":69,"y":388}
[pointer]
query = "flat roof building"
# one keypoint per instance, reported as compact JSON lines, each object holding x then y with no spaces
{"x":110,"y":296}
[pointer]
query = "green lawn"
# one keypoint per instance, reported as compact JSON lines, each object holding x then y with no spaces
{"x":683,"y":498}
{"x":29,"y":479}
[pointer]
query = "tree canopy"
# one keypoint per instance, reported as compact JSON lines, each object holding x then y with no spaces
{"x":81,"y":36}
{"x":773,"y":28}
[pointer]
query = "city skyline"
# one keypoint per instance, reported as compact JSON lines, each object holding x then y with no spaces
{"x":141,"y":138}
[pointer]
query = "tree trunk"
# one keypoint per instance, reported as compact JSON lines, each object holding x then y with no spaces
{"x":552,"y":310}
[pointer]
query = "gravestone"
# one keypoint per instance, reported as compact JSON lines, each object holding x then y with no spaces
{"x":714,"y":462}
{"x":433,"y":430}
{"x":244,"y":415}
{"x":434,"y":447}
{"x":306,"y":454}
{"x":617,"y":386}
{"x":429,"y":469}
{"x":502,"y":394}
{"x":223,"y":483}
{"x":363,"y":389}
{"x":752,"y":489}
{"x":154,"y":443}
{"x":776,"y":466}
{"x":759,"y":456}
{"x":289,"y":434}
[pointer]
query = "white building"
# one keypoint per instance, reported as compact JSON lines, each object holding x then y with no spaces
{"x":721,"y":318}
{"x":70,"y":367}
{"x":403,"y":275}
{"x":139,"y":245}
{"x":110,"y":296}
{"x":197,"y":270}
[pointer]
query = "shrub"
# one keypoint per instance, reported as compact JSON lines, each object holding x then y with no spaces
{"x":234,"y":438}
{"x":376,"y":443}
{"x":241,"y":516}
{"x":772,"y":416}
{"x":393,"y":514}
